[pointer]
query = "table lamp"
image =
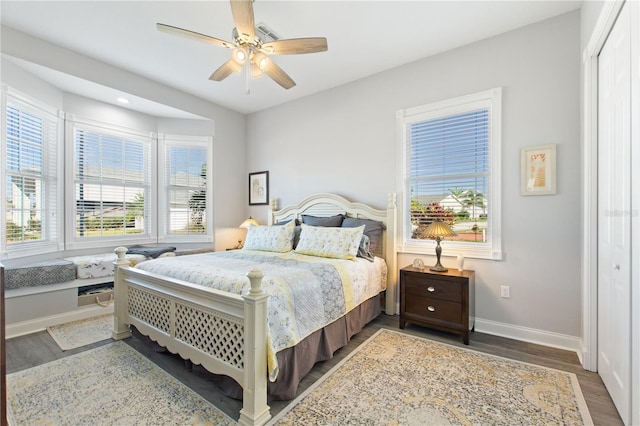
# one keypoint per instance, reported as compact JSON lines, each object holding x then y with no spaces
{"x":246,"y":225}
{"x":437,"y":230}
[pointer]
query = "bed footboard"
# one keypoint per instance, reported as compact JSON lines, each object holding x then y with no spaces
{"x":225,"y":333}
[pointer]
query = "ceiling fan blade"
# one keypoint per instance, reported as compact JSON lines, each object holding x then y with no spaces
{"x":225,"y":70}
{"x":242,"y":11}
{"x":193,"y":35}
{"x":296,"y":46}
{"x":278,"y":75}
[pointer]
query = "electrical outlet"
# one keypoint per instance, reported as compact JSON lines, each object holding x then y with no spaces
{"x":505,"y":291}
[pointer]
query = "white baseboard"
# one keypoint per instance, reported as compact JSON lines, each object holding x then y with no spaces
{"x":40,"y":324}
{"x":531,"y":335}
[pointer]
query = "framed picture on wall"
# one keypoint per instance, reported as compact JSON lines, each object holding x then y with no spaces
{"x":258,"y":188}
{"x":538,"y":170}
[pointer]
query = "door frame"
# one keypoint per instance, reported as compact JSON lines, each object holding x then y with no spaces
{"x":589,"y":273}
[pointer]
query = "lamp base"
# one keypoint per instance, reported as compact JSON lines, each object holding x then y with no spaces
{"x":438,"y":268}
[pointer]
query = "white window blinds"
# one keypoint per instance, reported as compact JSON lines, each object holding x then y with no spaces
{"x":112,"y":183}
{"x":448,"y":172}
{"x":30,"y":184}
{"x":450,"y":150}
{"x":184,"y":201}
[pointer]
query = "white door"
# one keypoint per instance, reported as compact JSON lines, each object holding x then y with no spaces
{"x":614,"y":215}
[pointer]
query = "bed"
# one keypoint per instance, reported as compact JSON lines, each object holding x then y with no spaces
{"x":228,"y":327}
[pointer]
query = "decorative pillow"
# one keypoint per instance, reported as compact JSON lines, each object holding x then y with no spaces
{"x":322,"y":221}
{"x":270,"y":238}
{"x":340,"y":243}
{"x":363,"y":250}
{"x":373,"y":229}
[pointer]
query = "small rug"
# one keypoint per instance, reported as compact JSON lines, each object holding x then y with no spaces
{"x":109,"y":385}
{"x":82,"y":332}
{"x":397,"y":379}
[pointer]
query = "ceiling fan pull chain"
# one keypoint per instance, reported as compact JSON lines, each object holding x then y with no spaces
{"x":247,"y":75}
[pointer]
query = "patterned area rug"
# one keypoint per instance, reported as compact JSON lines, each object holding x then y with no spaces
{"x":109,"y":385}
{"x":83,"y":332}
{"x":397,"y":379}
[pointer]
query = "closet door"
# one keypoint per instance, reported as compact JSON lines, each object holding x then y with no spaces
{"x":614,"y":215}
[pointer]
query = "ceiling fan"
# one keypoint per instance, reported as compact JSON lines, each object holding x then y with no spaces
{"x":249,"y":50}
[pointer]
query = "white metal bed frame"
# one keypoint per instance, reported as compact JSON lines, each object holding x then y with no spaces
{"x":226,"y":333}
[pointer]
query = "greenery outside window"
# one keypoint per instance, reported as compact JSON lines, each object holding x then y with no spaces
{"x":450,"y":166}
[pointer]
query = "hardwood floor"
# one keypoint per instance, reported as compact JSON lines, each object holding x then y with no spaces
{"x":35,"y":349}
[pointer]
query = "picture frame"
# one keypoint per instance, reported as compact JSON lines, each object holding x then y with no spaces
{"x":258,"y":188}
{"x":538,"y":170}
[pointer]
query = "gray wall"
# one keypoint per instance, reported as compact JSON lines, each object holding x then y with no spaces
{"x":343,"y":140}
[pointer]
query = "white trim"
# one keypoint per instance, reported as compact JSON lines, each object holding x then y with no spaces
{"x":41,"y":324}
{"x":531,"y":335}
{"x":635,"y":208}
{"x":589,"y":347}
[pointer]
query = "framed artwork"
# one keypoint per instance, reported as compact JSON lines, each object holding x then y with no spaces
{"x":538,"y":170}
{"x":258,"y":188}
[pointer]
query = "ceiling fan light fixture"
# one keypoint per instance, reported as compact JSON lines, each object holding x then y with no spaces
{"x":262,"y":61}
{"x":239,"y":55}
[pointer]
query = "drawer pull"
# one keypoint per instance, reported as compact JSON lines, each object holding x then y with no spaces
{"x":431,"y":308}
{"x":430,"y":289}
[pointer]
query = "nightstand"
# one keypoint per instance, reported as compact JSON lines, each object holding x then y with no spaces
{"x":441,"y":300}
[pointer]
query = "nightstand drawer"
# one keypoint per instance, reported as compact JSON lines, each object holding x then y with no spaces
{"x":433,"y":309}
{"x":435,"y":289}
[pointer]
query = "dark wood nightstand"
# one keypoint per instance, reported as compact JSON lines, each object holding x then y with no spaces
{"x":441,"y":300}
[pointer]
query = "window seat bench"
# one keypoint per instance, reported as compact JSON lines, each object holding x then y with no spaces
{"x":61,"y":290}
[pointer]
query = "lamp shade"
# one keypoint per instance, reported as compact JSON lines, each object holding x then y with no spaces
{"x":438,"y":229}
{"x":249,"y":223}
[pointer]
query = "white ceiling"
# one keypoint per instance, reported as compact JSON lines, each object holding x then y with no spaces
{"x":364,"y":38}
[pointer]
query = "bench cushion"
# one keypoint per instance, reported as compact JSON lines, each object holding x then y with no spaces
{"x":41,"y":273}
{"x":99,"y":265}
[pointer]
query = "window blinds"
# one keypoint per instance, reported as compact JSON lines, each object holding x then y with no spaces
{"x":31,"y":183}
{"x":448,"y":166}
{"x":112,"y":179}
{"x":185,"y":175}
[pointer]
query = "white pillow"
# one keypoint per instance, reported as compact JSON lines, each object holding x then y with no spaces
{"x":340,"y":243}
{"x":270,"y":238}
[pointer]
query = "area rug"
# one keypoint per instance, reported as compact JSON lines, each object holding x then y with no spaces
{"x":109,"y":385}
{"x":397,"y":379}
{"x":82,"y":332}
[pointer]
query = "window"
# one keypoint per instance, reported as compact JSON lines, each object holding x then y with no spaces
{"x":451,"y":172}
{"x":112,"y":185}
{"x":184,"y":202}
{"x":29,"y":185}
